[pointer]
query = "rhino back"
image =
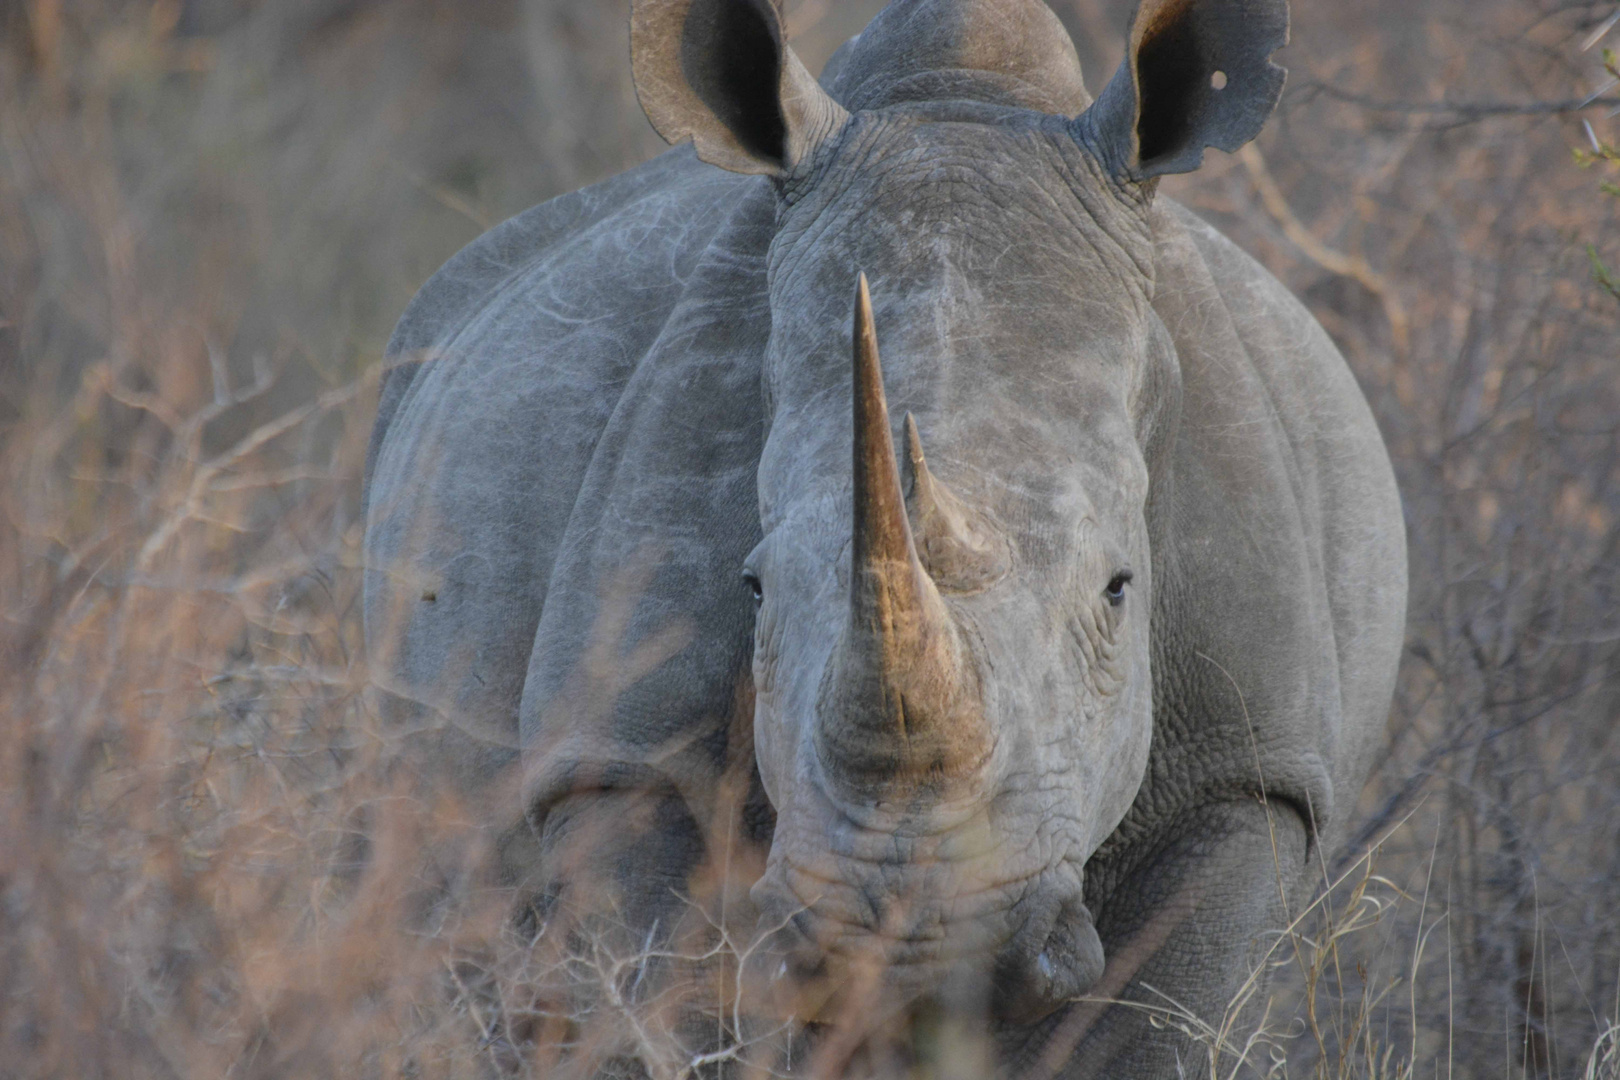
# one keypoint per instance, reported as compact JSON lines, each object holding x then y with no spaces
{"x":1282,"y":579}
{"x":506,"y":368}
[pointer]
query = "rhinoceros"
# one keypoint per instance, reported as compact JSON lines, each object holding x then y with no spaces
{"x":1028,"y":544}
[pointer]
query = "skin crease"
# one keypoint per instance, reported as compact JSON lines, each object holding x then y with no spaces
{"x":604,"y":409}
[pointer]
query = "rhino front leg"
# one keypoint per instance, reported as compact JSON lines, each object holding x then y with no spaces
{"x":632,"y":890}
{"x":609,"y":881}
{"x":612,"y":865}
{"x":1182,"y":924}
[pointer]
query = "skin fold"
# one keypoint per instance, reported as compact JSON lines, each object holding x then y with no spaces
{"x":890,"y":498}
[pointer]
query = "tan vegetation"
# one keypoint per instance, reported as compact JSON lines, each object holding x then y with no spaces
{"x":215,"y":859}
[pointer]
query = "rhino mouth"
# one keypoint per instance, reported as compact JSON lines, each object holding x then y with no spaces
{"x":881,"y":940}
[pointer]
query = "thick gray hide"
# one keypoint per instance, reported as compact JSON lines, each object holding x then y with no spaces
{"x":566,"y":411}
{"x":562,"y":491}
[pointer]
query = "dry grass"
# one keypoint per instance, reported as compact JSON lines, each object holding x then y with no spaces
{"x":216,"y":859}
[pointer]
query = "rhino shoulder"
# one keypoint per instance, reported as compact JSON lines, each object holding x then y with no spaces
{"x":463,"y":286}
{"x":1289,"y":556}
{"x":506,"y":369}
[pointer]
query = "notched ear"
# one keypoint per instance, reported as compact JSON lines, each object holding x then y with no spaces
{"x":1196,"y":73}
{"x":720,"y":72}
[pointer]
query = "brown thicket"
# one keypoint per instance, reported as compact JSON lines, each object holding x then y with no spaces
{"x":214,"y":858}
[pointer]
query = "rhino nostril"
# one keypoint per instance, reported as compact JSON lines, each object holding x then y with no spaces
{"x":1067,"y":961}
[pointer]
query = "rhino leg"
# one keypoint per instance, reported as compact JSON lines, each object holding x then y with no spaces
{"x":635,"y":915}
{"x":1186,"y":919}
{"x":612,"y":865}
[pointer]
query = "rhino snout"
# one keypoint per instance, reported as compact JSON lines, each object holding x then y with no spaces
{"x":871,"y":948}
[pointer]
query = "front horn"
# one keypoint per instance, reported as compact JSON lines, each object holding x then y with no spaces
{"x":902,"y":696}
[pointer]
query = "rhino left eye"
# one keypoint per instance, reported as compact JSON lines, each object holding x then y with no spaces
{"x":1116,"y":588}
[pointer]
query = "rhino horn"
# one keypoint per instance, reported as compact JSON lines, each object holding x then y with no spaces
{"x":959,"y":547}
{"x":902,"y":697}
{"x":882,"y":542}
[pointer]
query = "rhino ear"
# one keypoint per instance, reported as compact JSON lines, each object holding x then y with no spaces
{"x":1196,"y":73}
{"x":720,"y":72}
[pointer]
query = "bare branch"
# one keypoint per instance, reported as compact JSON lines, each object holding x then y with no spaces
{"x":1334,"y":262}
{"x":1466,"y":111}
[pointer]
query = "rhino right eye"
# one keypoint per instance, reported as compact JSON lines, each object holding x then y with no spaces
{"x":755,"y":587}
{"x":1116,"y":588}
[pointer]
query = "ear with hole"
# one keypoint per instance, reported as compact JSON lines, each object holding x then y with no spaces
{"x":1196,"y":73}
{"x":720,"y":72}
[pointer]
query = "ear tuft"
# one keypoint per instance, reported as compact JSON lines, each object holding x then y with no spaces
{"x":1197,"y":73}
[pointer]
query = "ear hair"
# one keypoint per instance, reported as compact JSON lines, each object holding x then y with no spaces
{"x":1196,"y":73}
{"x":720,"y":72}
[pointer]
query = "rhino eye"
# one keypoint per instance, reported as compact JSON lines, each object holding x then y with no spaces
{"x":1116,"y":587}
{"x":755,"y":587}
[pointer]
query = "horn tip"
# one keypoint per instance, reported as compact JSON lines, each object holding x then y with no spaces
{"x":913,"y":464}
{"x":865,"y":339}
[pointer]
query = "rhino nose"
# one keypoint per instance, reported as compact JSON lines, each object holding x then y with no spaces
{"x":818,"y":968}
{"x":813,"y":968}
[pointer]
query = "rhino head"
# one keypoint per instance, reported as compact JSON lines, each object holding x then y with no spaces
{"x":970,"y":403}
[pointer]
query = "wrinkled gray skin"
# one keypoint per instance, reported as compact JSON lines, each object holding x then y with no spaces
{"x":1080,"y":676}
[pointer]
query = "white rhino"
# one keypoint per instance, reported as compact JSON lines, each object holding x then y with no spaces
{"x":1061,"y":710}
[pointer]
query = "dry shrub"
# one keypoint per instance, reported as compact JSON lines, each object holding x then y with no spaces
{"x":212,"y":858}
{"x":219,"y":859}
